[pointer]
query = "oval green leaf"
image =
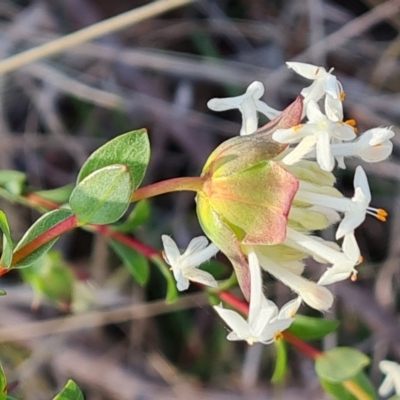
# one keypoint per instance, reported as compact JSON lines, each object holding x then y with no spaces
{"x":103,"y":196}
{"x":340,"y":364}
{"x":8,"y":244}
{"x":70,"y":391}
{"x":43,"y":224}
{"x":131,"y":149}
{"x":136,"y":263}
{"x":309,"y":328}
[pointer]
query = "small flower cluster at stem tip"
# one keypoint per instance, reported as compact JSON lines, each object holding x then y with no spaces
{"x":307,"y":153}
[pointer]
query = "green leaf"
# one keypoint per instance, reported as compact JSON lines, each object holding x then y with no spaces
{"x":281,"y":362}
{"x":138,"y":217}
{"x":8,"y":244}
{"x":172,"y":292}
{"x":51,"y":278}
{"x":43,"y":224}
{"x":59,"y":195}
{"x":340,"y":364}
{"x":103,"y":196}
{"x":309,"y":328}
{"x":70,"y":391}
{"x":136,"y":263}
{"x":339,"y":392}
{"x":131,"y":149}
{"x":12,"y":181}
{"x":3,"y":384}
{"x":2,"y":292}
{"x":395,"y":398}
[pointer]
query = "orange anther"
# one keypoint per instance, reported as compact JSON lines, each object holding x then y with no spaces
{"x":342,"y":96}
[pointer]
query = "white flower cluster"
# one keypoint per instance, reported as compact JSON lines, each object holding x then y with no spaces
{"x":324,"y":137}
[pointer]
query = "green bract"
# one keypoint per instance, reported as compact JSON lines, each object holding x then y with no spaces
{"x":245,"y":198}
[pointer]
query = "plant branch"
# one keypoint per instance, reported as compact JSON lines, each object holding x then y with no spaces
{"x":193,"y":183}
{"x":92,"y":32}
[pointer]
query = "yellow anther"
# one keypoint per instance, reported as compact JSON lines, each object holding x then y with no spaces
{"x":352,"y":123}
{"x":342,"y":96}
{"x":297,"y":128}
{"x":278,"y":336}
{"x":353,"y":277}
{"x":381,"y":214}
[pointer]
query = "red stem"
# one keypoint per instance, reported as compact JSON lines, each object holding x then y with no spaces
{"x":147,"y":251}
{"x":64,"y":226}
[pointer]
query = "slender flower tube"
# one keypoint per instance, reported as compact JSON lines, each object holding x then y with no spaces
{"x":265,"y":322}
{"x":249,"y":104}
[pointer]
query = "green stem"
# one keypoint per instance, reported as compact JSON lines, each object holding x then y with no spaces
{"x":356,"y":390}
{"x":192,"y":183}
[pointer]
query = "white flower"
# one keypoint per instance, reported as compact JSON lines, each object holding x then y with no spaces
{"x":315,"y":296}
{"x":354,"y":209}
{"x":342,"y":270}
{"x":343,"y":262}
{"x":248,"y":104}
{"x":325,"y":84}
{"x":264,"y":323}
{"x":392,"y":381}
{"x":316,"y":133}
{"x":372,"y":146}
{"x":184,"y":265}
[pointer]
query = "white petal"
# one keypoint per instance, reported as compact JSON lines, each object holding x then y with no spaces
{"x":202,"y":256}
{"x":351,"y":221}
{"x":361,"y":181}
{"x":300,"y":151}
{"x":224,"y":104}
{"x":203,"y":277}
{"x":350,"y":247}
{"x":331,"y":87}
{"x":309,"y":71}
{"x":291,"y":135}
{"x":275,"y":327}
{"x":332,"y":275}
{"x":235,"y":321}
{"x":377,"y":136}
{"x":182,"y":283}
{"x":333,"y":108}
{"x":342,"y":131}
{"x":196,"y":244}
{"x":315,"y":296}
{"x":314,"y":113}
{"x":256,"y":293}
{"x":290,"y":309}
{"x":171,"y":250}
{"x":324,"y":155}
{"x":377,"y":153}
{"x":249,"y":117}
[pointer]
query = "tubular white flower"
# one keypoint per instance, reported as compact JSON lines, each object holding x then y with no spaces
{"x":265,"y":322}
{"x":372,"y":146}
{"x":342,"y":271}
{"x":343,"y":261}
{"x":325,"y":84}
{"x":184,"y":266}
{"x":248,"y":104}
{"x":391,"y":383}
{"x":315,"y":296}
{"x":317,"y":133}
{"x":355,"y":209}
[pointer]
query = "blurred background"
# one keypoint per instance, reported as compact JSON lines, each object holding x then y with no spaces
{"x":123,"y":342}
